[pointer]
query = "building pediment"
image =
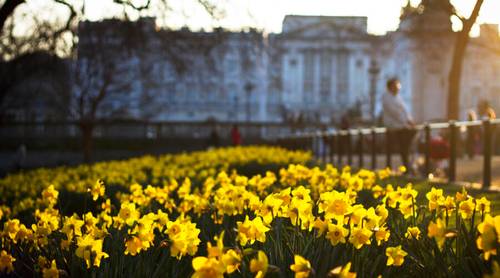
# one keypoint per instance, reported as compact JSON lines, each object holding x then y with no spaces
{"x":326,"y":30}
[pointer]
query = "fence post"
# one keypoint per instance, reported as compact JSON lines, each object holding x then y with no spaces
{"x":310,"y":142}
{"x":427,"y":150}
{"x":333,"y":148}
{"x":158,"y":131}
{"x":325,"y":147}
{"x":340,"y":150}
{"x":487,"y":154}
{"x":314,"y":146}
{"x":388,"y":148}
{"x":374,"y":149}
{"x":349,"y":148}
{"x":360,"y":150}
{"x":453,"y":152}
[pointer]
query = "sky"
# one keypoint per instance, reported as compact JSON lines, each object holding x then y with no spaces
{"x":383,"y":15}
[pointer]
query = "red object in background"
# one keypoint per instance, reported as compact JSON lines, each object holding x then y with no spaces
{"x":236,"y":136}
{"x":440,"y":148}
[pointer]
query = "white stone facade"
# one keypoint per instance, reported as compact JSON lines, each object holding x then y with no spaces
{"x":317,"y":68}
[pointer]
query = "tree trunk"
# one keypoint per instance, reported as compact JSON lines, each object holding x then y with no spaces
{"x":87,"y":129}
{"x":455,"y":76}
{"x":7,"y":10}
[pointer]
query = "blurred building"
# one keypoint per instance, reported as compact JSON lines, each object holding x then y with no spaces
{"x":317,"y":69}
{"x":180,"y":75}
{"x":34,"y":87}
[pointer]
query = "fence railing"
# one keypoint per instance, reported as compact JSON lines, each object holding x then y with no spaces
{"x":337,"y":146}
{"x":146,"y":129}
{"x":252,"y":132}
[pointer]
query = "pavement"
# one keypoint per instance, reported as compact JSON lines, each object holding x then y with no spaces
{"x":469,"y":172}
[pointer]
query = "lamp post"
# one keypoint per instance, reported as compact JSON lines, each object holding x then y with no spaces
{"x":236,"y":112}
{"x":248,"y":89}
{"x":374,"y":71}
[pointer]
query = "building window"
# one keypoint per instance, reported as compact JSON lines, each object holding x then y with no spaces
{"x":359,"y":63}
{"x":326,"y":74}
{"x":308,"y":71}
{"x":343,"y":71}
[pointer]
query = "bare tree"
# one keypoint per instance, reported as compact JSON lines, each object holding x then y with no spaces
{"x":104,"y":73}
{"x":101,"y":71}
{"x":57,"y":32}
{"x":455,"y":75}
{"x":34,"y":82}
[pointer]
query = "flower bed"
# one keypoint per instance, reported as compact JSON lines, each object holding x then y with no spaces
{"x":216,"y":213}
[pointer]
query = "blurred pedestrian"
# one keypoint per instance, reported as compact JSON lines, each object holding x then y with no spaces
{"x":486,"y":111}
{"x":472,"y":143}
{"x":398,"y":120}
{"x":20,"y":157}
{"x":236,"y":135}
{"x":213,"y":139}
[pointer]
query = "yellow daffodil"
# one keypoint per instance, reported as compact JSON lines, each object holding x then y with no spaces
{"x":483,"y":205}
{"x":97,"y":190}
{"x":6,"y":262}
{"x":52,"y":271}
{"x":342,"y":272}
{"x":489,"y":236}
{"x":435,"y":197}
{"x":128,"y":215}
{"x":437,"y":230}
{"x":133,"y":246}
{"x":467,"y":208}
{"x":259,"y":265}
{"x":382,"y":234}
{"x":251,"y":230}
{"x":461,"y":195}
{"x":360,"y":237}
{"x":72,"y":226}
{"x":395,"y":255}
{"x":231,"y":260}
{"x":90,"y":250}
{"x":301,"y":267}
{"x":208,"y":268}
{"x":49,"y":195}
{"x":334,"y":204}
{"x":413,"y":233}
{"x":11,"y":228}
{"x":183,"y":235}
{"x":336,"y":234}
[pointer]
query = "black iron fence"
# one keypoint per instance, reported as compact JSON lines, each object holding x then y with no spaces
{"x":149,"y":129}
{"x":342,"y":146}
{"x":122,"y":133}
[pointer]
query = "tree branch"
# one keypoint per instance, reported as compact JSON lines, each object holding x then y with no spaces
{"x":132,"y":5}
{"x":473,"y":17}
{"x":6,"y":11}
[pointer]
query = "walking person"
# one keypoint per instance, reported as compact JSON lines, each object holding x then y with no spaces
{"x":486,"y":112}
{"x":213,"y":139}
{"x":398,"y":120}
{"x":472,"y":143}
{"x":236,"y":135}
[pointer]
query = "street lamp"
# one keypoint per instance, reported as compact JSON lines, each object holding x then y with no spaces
{"x":374,"y":71}
{"x":236,"y":111}
{"x":248,"y":89}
